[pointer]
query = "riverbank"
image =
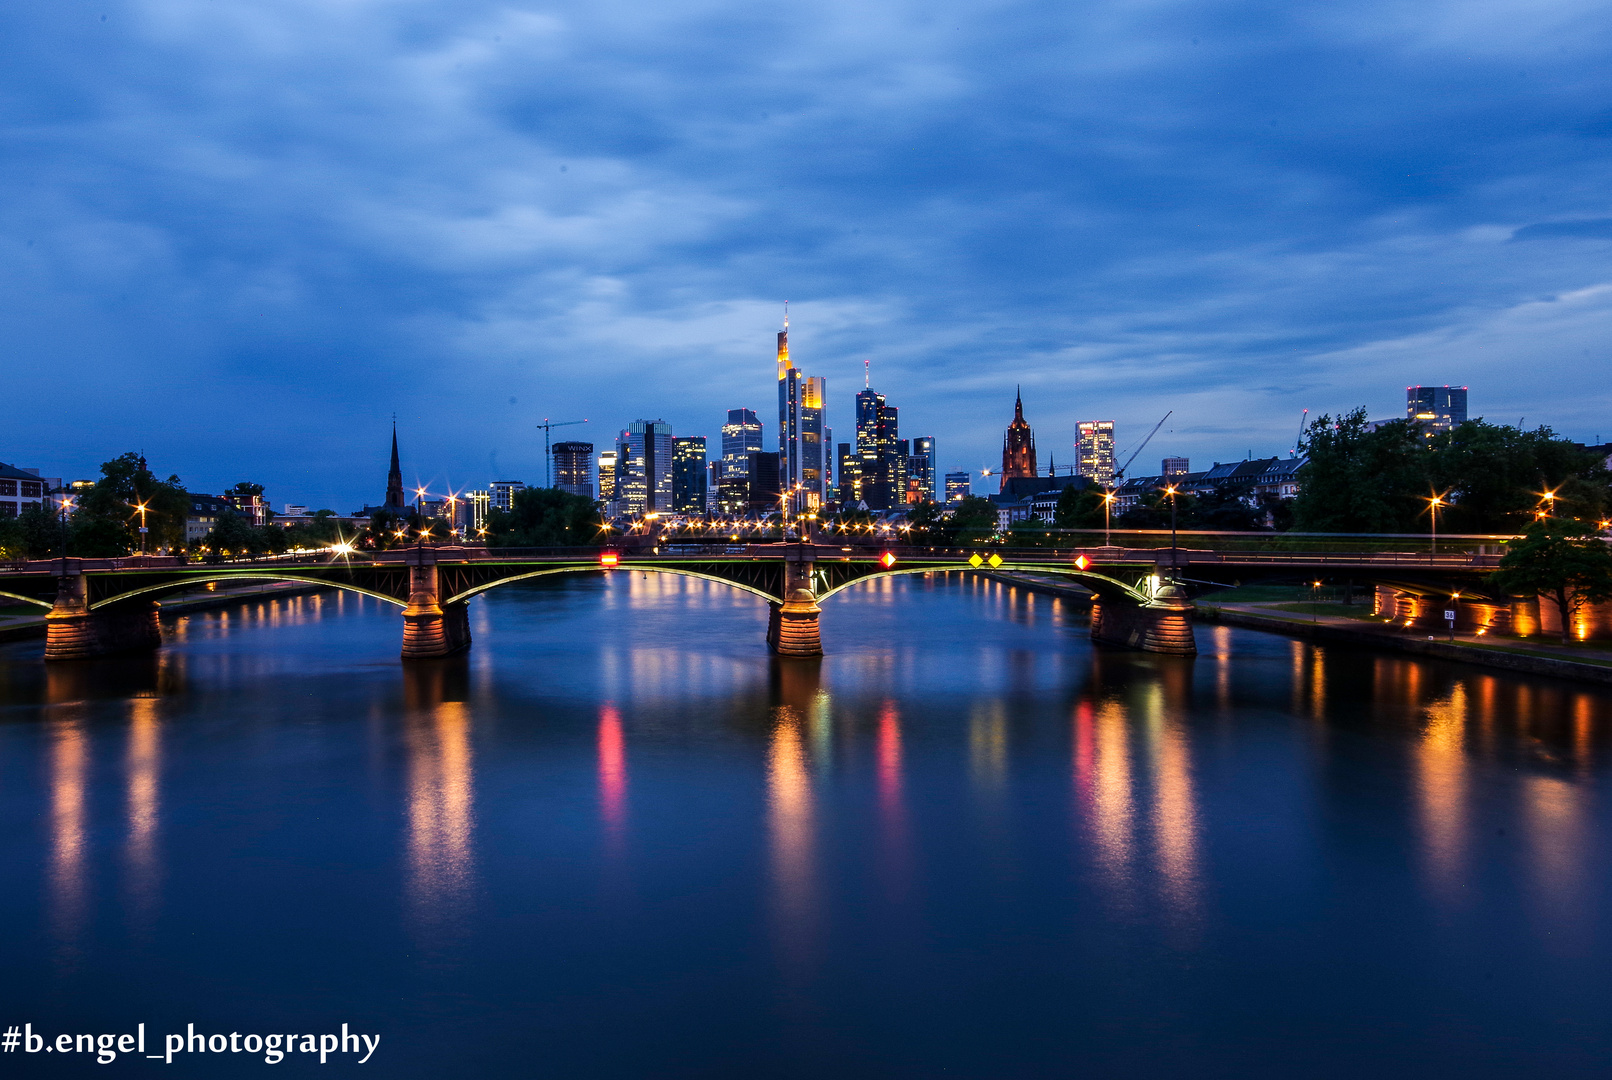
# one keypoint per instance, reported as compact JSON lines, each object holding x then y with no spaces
{"x":33,"y":626}
{"x":1588,"y":665}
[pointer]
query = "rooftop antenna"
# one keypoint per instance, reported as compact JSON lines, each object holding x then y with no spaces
{"x":786,"y":314}
{"x":867,"y":374}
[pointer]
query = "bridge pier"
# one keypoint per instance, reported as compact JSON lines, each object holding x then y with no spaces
{"x":74,"y":632}
{"x":429,"y":629}
{"x":1162,"y":625}
{"x":792,"y":628}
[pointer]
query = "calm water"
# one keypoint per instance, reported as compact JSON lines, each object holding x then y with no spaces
{"x":619,"y":840}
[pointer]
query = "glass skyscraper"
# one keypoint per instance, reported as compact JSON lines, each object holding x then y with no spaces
{"x":741,"y":437}
{"x":1436,"y":408}
{"x":644,"y":468}
{"x":573,"y":468}
{"x":688,"y":474}
{"x":803,"y":461}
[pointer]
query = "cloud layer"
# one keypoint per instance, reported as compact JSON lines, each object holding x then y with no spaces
{"x":240,"y":237}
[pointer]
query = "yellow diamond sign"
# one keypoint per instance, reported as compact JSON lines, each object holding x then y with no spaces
{"x":975,"y":561}
{"x":995,"y":560}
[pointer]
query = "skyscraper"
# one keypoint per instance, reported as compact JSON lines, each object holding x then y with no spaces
{"x":1436,"y":408}
{"x":607,"y":476}
{"x":503,"y":493}
{"x":1094,"y":450}
{"x":395,"y":500}
{"x":921,"y":470}
{"x":1018,"y":446}
{"x":803,"y":468}
{"x":741,"y":437}
{"x":880,"y":464}
{"x":688,"y":474}
{"x":957,"y":488}
{"x":1175,"y":466}
{"x":573,"y":468}
{"x":644,"y":467}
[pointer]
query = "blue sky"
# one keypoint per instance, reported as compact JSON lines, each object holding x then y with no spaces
{"x":240,"y":235}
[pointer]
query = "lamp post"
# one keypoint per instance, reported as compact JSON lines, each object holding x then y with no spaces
{"x":1108,"y":508}
{"x":67,"y":504}
{"x":1170,"y":491}
{"x":419,"y":518}
{"x":1433,"y":503}
{"x":141,"y":507}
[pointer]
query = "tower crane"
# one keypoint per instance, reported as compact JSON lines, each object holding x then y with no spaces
{"x":1120,"y":473}
{"x":548,"y":462}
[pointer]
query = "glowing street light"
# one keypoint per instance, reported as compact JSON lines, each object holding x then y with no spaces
{"x":1433,"y":503}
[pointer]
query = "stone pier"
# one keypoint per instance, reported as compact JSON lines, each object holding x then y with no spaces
{"x":429,"y":629}
{"x":1162,"y":625}
{"x":792,"y":625}
{"x":74,"y":632}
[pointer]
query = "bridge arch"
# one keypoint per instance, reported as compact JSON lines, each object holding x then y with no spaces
{"x":466,"y":594}
{"x":188,"y":582}
{"x":1101,"y":584}
{"x":47,"y":605}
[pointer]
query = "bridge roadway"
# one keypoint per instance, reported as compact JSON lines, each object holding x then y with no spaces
{"x":100,"y":606}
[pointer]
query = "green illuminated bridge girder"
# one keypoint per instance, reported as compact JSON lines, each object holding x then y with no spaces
{"x":1117,"y":574}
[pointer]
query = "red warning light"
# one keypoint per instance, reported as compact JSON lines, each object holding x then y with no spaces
{"x":608,"y":558}
{"x":1081,"y":562}
{"x":888,"y":560}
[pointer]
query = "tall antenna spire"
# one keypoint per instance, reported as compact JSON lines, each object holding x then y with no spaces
{"x":786,"y":314}
{"x":867,"y":374}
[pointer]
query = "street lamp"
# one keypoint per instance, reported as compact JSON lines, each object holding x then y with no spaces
{"x":1170,"y":491}
{"x":67,"y":504}
{"x":1108,"y":508}
{"x":1433,"y":503}
{"x":141,"y":509}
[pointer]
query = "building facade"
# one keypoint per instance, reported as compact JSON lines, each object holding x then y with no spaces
{"x":1018,"y":446}
{"x":644,"y":469}
{"x":23,"y":488}
{"x":1436,"y":408}
{"x":741,"y":437}
{"x":1094,"y":450}
{"x":921,"y":470}
{"x":607,"y":476}
{"x":573,"y":468}
{"x":876,"y":471}
{"x":503,"y":493}
{"x":1175,"y":466}
{"x":479,"y":504}
{"x":804,"y":471}
{"x":689,"y":474}
{"x":957,"y":487}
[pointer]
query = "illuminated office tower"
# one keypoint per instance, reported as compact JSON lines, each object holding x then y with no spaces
{"x":741,"y":437}
{"x":957,"y":487}
{"x":573,"y":468}
{"x":1436,"y":408}
{"x":481,"y":504}
{"x":644,"y":468}
{"x":688,"y":474}
{"x":921,"y":470}
{"x":881,"y":463}
{"x":803,"y":466}
{"x":607,"y":476}
{"x":1094,"y":450}
{"x":1175,"y":466}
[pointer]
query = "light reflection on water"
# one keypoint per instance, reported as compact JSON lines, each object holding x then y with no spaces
{"x":959,"y":745}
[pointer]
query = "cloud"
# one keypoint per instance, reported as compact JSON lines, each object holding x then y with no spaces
{"x":245,"y":234}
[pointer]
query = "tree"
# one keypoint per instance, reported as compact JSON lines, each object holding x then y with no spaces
{"x":1080,"y":508}
{"x":925,"y":520}
{"x":106,"y":520}
{"x":546,"y":517}
{"x":1361,"y":480}
{"x":1496,"y":475}
{"x":1563,"y":559}
{"x":234,"y":534}
{"x":973,"y":522}
{"x":245,"y":487}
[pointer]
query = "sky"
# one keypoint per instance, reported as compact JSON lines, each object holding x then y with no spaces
{"x":241,"y":236}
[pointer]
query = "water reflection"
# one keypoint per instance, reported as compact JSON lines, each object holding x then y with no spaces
{"x":440,"y":813}
{"x":790,"y":828}
{"x":1441,"y":782}
{"x":612,"y":772}
{"x":140,"y":845}
{"x":1555,"y":814}
{"x":66,"y":887}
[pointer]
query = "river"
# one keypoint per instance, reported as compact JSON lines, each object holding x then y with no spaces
{"x":619,"y":840}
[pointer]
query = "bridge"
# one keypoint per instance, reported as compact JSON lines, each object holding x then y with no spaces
{"x":99,"y":606}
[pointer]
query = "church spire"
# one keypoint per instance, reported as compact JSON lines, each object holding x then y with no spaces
{"x":394,"y":478}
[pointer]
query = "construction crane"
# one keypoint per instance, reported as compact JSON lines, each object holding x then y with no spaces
{"x":1302,"y":418}
{"x":548,"y":462}
{"x":1120,"y":474}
